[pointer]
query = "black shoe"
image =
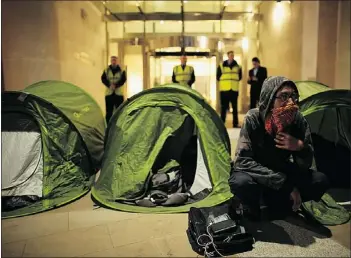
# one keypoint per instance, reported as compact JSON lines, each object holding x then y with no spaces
{"x":238,"y":211}
{"x":235,"y":208}
{"x":252,"y":213}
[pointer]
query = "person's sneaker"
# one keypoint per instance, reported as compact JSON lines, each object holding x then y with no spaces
{"x":238,"y":210}
{"x":235,"y":208}
{"x":252,"y":213}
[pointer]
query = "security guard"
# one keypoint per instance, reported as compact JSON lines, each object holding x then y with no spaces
{"x":229,"y":74}
{"x":114,"y":78}
{"x":183,"y":74}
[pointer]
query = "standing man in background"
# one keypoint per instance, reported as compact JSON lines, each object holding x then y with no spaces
{"x":229,"y":75}
{"x":114,"y":78}
{"x":183,"y":74}
{"x":257,"y":75}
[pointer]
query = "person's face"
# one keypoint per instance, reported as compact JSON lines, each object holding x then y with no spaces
{"x":255,"y":64}
{"x":231,"y":56}
{"x":114,"y":61}
{"x":286,"y":95}
{"x":183,"y":60}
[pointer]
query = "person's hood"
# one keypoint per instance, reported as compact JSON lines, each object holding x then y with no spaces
{"x":269,"y":88}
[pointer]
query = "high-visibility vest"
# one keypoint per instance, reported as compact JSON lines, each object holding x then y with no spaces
{"x":229,"y":79}
{"x":114,"y":78}
{"x":183,"y":76}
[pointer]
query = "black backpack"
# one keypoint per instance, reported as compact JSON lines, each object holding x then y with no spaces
{"x":217,"y":231}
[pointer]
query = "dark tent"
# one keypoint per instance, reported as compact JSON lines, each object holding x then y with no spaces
{"x":328,"y":112}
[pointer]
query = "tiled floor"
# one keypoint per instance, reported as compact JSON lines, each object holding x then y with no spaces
{"x":81,"y":230}
{"x":78,"y":230}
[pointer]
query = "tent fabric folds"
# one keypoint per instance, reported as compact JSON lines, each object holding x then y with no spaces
{"x":169,"y":128}
{"x":328,"y":112}
{"x":52,"y":154}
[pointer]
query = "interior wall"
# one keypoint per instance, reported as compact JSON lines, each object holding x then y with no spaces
{"x":342,"y":66}
{"x":327,"y":38}
{"x":310,"y":40}
{"x":47,"y":40}
{"x":280,"y":34}
{"x":30,"y":47}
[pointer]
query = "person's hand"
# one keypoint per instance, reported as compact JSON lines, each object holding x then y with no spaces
{"x":288,"y":142}
{"x":254,"y":78}
{"x":296,"y":197}
{"x":112,"y":86}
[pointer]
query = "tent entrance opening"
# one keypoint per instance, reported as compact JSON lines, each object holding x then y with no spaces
{"x":22,"y":166}
{"x":178,"y":173}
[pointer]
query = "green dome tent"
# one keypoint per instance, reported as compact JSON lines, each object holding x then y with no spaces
{"x":170,"y":132}
{"x":52,"y":146}
{"x":328,"y":113}
{"x":309,"y":88}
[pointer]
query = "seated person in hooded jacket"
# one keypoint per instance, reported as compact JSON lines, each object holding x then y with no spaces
{"x":274,"y":155}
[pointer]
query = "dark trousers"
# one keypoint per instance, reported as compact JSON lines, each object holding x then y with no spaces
{"x":112,"y":101}
{"x":254,"y":97}
{"x":232,"y":97}
{"x":312,"y":185}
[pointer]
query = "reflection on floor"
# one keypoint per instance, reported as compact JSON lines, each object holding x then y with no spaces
{"x":81,"y":230}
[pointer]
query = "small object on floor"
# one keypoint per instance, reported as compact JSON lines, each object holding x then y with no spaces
{"x":212,"y":232}
{"x":95,"y":207}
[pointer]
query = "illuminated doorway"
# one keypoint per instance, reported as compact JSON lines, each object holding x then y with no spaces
{"x":161,"y":70}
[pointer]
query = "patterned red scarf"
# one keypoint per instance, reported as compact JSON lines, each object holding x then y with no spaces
{"x":281,"y":117}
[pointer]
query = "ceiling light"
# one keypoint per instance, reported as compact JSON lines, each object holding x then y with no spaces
{"x":226,"y":3}
{"x":185,"y":2}
{"x":137,"y":3}
{"x":162,"y":22}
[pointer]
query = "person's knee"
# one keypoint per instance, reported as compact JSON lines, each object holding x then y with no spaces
{"x":320,"y":180}
{"x":239,"y":181}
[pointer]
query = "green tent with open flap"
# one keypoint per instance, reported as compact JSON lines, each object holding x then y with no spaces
{"x":52,"y":146}
{"x":166,"y":150}
{"x":328,"y":112}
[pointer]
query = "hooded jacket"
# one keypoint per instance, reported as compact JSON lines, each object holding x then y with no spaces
{"x":256,"y":153}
